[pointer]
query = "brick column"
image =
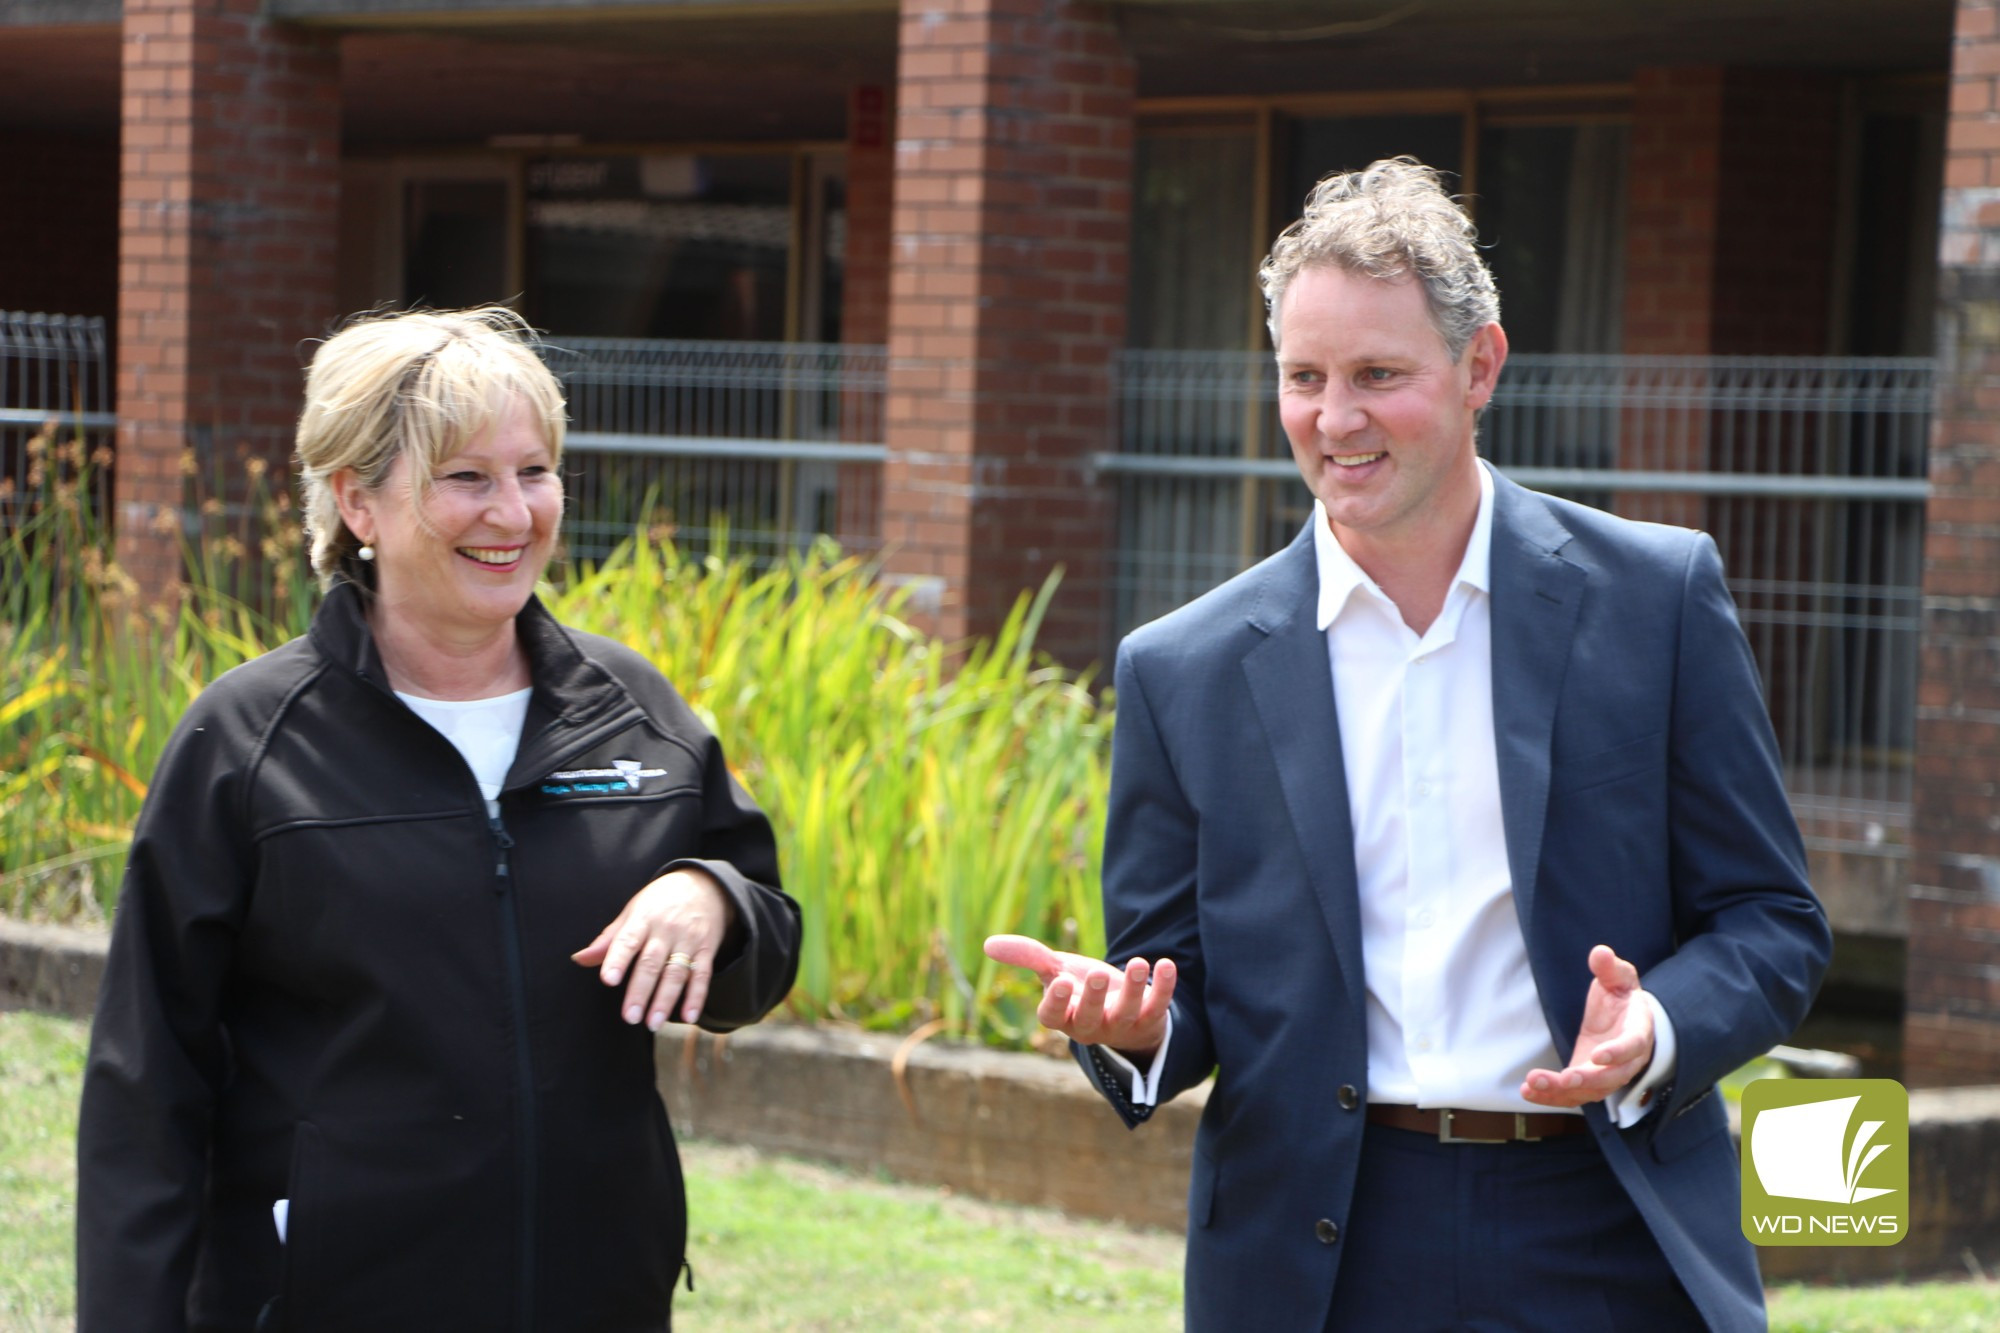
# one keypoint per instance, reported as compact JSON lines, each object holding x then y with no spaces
{"x":1729,"y":232}
{"x":1730,"y":242}
{"x":1951,"y":1032}
{"x":1674,"y":206}
{"x":228,"y":223}
{"x":1729,"y":229}
{"x":871,"y":176}
{"x":1672,"y":235}
{"x":1007,"y":308}
{"x":864,"y":298}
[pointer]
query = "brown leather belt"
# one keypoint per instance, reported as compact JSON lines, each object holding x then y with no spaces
{"x":1452,"y":1126}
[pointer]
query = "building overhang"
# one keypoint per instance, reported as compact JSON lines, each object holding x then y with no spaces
{"x":60,"y":13}
{"x":1213,"y":46}
{"x":460,"y":71}
{"x":433,"y":14}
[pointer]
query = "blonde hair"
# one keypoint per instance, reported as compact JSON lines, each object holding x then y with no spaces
{"x":419,"y":382}
{"x":1391,"y":220}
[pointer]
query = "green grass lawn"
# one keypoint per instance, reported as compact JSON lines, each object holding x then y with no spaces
{"x":780,"y":1244}
{"x":41,"y":1062}
{"x":1925,"y":1307}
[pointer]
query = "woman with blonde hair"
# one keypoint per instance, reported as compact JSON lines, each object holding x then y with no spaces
{"x":406,"y":902}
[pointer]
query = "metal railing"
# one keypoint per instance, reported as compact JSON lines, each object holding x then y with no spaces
{"x":1809,"y":473}
{"x":55,"y":407}
{"x":766,"y":444}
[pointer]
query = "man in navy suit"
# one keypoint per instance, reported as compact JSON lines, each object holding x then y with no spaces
{"x":1454,"y":837}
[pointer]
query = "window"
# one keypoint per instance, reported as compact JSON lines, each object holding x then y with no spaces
{"x":663,"y":245}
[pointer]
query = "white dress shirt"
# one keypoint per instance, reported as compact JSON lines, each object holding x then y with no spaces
{"x":1454,"y":1018}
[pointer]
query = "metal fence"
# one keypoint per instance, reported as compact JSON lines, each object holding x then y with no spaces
{"x":55,"y":407}
{"x":766,"y":445}
{"x":1809,"y":472}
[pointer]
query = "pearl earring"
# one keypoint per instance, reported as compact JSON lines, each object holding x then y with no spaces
{"x":366,"y":553}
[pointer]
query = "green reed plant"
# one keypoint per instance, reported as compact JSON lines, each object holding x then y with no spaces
{"x":925,"y":795}
{"x":92,"y":680}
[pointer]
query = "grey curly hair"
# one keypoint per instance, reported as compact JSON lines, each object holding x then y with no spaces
{"x":1390,"y":220}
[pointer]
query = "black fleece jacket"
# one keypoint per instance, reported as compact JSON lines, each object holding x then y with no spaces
{"x":334,"y":980}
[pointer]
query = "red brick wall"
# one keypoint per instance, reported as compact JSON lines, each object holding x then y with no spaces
{"x":1952,"y":1014}
{"x":864,"y":298}
{"x":1673,"y":227}
{"x":1731,"y":222}
{"x":1007,"y":308}
{"x":59,"y":228}
{"x":228,"y":225}
{"x":1673,"y":210}
{"x":1729,"y":233}
{"x":871,"y":176}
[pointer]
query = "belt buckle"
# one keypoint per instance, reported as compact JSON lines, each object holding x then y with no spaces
{"x":1446,"y":1136}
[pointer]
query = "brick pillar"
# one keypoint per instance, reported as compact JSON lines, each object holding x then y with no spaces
{"x":1729,"y":228}
{"x":1951,"y":1031}
{"x":864,"y":298}
{"x":1730,"y":247}
{"x":1007,"y":309}
{"x":228,"y":222}
{"x":1674,"y":206}
{"x":1672,"y":235}
{"x":871,"y":176}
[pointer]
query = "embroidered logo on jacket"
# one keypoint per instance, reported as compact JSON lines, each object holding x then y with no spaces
{"x":623,"y":775}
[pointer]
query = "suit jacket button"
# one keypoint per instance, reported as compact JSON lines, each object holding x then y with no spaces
{"x":1327,"y":1231}
{"x":1350,"y":1097}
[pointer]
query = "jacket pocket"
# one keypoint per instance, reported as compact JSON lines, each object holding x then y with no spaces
{"x":405,"y":1223}
{"x":1614,"y":763}
{"x":614,"y":1216}
{"x":299,"y":1186}
{"x":1697,"y":1123}
{"x":1201,"y":1188}
{"x":671,"y":1200}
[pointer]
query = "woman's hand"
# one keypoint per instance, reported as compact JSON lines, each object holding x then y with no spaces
{"x":668,"y":935}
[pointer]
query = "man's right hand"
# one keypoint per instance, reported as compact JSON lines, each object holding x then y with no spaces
{"x":1092,"y":1002}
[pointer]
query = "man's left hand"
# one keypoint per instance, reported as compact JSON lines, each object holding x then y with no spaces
{"x":1614,"y":1046}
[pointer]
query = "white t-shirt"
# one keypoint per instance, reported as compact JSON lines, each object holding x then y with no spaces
{"x":486,"y":731}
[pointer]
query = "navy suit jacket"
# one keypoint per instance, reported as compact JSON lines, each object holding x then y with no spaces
{"x":1644,"y":808}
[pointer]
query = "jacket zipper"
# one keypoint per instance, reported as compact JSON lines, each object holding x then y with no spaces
{"x":517,"y":997}
{"x":524,"y":1069}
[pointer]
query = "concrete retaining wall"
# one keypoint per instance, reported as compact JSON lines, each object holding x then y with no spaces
{"x":998,"y":1125}
{"x":1028,"y":1129}
{"x":53,"y":969}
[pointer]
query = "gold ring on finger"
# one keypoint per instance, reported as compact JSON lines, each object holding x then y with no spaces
{"x":686,"y":960}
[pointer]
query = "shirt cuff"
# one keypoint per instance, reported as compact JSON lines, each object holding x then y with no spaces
{"x":1146,"y":1083}
{"x":1634,"y":1102}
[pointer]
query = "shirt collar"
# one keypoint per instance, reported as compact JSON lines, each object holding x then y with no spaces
{"x":1340,"y":577}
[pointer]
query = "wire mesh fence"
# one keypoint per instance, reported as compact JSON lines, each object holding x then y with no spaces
{"x":55,"y":408}
{"x":1809,"y":472}
{"x":764,"y":446}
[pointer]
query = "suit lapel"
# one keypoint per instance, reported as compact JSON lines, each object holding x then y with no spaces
{"x":1291,"y":685}
{"x":1536,"y":597}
